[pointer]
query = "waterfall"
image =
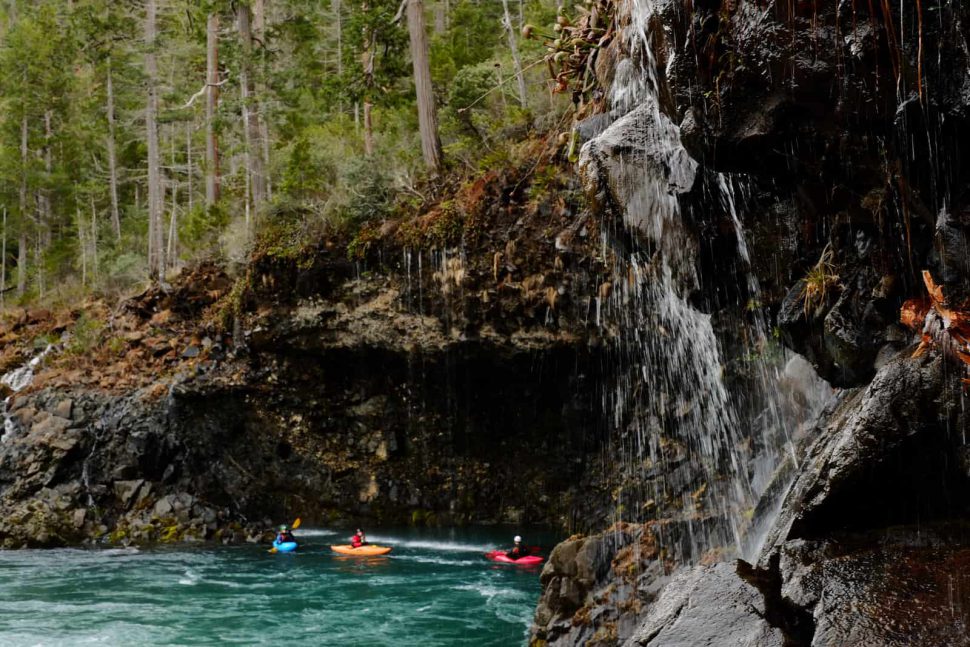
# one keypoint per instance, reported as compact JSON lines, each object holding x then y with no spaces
{"x":17,"y":380}
{"x":687,"y":439}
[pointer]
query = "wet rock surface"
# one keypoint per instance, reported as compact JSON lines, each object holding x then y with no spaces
{"x":596,"y":588}
{"x":904,"y":590}
{"x":847,"y":145}
{"x":708,"y":605}
{"x":454,"y":374}
{"x":434,"y":388}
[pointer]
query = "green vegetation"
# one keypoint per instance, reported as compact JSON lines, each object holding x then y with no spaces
{"x":310,"y":108}
{"x":819,"y":282}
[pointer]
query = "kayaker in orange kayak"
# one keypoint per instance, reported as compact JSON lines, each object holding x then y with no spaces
{"x":358,"y":539}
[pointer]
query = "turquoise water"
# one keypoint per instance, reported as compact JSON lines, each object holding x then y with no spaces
{"x":434,"y":589}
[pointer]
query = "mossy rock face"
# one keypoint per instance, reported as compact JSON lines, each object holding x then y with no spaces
{"x":417,"y":517}
{"x":422,"y":517}
{"x":171,"y":534}
{"x":118,"y":535}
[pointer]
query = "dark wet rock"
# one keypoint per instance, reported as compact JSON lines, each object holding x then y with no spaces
{"x":127,"y":490}
{"x":63,"y":409}
{"x":911,"y":588}
{"x":49,"y":426}
{"x":883,"y":457}
{"x":708,"y":605}
{"x":625,"y":162}
{"x":596,"y":588}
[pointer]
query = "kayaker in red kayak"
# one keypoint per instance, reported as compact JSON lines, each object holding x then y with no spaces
{"x":358,"y":539}
{"x":518,"y":550}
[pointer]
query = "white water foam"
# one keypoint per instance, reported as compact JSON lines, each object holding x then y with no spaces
{"x":316,"y":532}
{"x":429,"y":544}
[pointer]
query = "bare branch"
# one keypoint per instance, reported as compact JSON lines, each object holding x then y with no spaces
{"x":202,"y":91}
{"x":400,"y":12}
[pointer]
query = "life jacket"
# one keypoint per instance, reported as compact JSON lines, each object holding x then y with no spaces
{"x":357,"y":541}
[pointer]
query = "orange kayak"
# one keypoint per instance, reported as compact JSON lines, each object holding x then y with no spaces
{"x":364,"y":551}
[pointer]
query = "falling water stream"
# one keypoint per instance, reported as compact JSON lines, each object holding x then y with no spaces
{"x":17,"y":380}
{"x":678,"y":426}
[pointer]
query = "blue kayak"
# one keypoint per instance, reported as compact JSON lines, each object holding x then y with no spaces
{"x":285,"y":547}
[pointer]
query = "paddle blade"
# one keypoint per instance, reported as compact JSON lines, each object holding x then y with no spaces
{"x":272,"y":550}
{"x":296,"y":524}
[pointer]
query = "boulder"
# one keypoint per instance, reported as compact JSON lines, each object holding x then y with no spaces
{"x":640,"y":164}
{"x":126,"y":491}
{"x":64,"y":408}
{"x":708,"y":605}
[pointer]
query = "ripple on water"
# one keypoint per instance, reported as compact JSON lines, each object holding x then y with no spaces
{"x":427,"y":594}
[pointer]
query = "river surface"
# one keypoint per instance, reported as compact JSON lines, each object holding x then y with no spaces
{"x":434,"y":589}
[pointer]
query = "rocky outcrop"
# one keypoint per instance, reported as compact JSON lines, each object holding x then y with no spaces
{"x":415,"y":385}
{"x":867,"y":549}
{"x":845,"y":141}
{"x":595,"y":588}
{"x":709,"y":605}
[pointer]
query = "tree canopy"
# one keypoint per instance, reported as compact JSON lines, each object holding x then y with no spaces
{"x":303,"y":90}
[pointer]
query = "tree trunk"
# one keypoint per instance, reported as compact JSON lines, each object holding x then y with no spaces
{"x":259,"y":33}
{"x":259,"y":18}
{"x":93,"y":236}
{"x":254,"y":155}
{"x":82,"y":244}
{"x":38,"y":263}
{"x":156,"y":251}
{"x":43,"y":198}
{"x":188,"y":164}
{"x":3,"y":263}
{"x":212,"y":100}
{"x":427,"y":118}
{"x":45,"y":194}
{"x":440,"y":17}
{"x":519,"y":75}
{"x":368,"y":130}
{"x":112,"y":157}
{"x":170,"y":242}
{"x":22,"y":241}
{"x":338,"y":19}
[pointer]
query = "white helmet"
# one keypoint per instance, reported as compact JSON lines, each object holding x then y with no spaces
{"x":518,"y":539}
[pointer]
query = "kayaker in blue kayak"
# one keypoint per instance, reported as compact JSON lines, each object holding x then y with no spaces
{"x":518,"y":550}
{"x":284,"y":535}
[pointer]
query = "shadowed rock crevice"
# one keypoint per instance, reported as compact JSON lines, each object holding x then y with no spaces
{"x":795,"y":623}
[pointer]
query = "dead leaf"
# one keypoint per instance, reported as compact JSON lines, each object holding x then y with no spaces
{"x":935,"y":291}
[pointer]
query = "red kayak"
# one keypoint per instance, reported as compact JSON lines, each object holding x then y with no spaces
{"x":500,"y":556}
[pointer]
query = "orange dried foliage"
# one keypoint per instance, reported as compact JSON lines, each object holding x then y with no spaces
{"x":935,"y":291}
{"x":956,"y":321}
{"x":914,"y":312}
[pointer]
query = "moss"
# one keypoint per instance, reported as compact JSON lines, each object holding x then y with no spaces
{"x":363,"y":242}
{"x":170,"y":534}
{"x":118,"y":535}
{"x":423,"y":517}
{"x":443,"y":226}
